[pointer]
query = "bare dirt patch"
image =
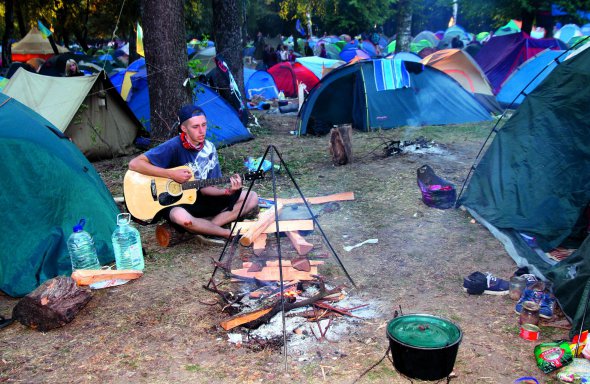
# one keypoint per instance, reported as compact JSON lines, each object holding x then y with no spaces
{"x":160,"y":329}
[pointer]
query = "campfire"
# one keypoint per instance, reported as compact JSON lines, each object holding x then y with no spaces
{"x":419,"y":145}
{"x":250,"y":293}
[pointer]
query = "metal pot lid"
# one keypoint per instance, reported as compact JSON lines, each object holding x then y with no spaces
{"x":424,"y":331}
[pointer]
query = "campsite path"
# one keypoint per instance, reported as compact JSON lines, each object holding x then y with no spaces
{"x":160,"y":329}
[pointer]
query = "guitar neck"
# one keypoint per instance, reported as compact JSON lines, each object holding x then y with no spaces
{"x":205,"y":183}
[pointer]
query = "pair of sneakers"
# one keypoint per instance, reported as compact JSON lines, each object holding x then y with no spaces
{"x":479,"y":283}
{"x":537,"y":294}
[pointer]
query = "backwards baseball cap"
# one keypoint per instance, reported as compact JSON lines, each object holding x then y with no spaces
{"x":188,"y":111}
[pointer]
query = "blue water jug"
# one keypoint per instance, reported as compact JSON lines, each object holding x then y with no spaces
{"x":81,"y":248}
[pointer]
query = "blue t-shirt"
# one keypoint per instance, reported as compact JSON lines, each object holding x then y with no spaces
{"x":170,"y":154}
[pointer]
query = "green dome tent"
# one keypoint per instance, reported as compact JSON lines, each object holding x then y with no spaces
{"x":48,"y":186}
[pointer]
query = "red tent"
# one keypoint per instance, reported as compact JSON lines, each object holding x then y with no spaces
{"x":287,"y":75}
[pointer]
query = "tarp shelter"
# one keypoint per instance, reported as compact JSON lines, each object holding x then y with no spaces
{"x":461,"y":67}
{"x":259,"y":83}
{"x":287,"y":75}
{"x":318,"y":65}
{"x":534,"y":179}
{"x":500,"y":56}
{"x":33,"y":45}
{"x":87,"y":109}
{"x":362,"y":94}
{"x":517,"y":85}
{"x":47,"y":187}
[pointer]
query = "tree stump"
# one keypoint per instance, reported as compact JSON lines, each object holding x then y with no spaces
{"x":341,"y":145}
{"x":53,"y":304}
{"x":168,"y":236}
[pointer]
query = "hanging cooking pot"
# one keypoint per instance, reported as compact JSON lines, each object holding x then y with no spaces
{"x":424,"y":346}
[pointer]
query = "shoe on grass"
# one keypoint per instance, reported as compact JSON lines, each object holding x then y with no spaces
{"x":478,"y":283}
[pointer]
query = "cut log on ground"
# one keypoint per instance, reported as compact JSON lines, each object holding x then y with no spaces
{"x":340,"y":145}
{"x":301,"y":245}
{"x":343,"y":196}
{"x":265,"y":220}
{"x":53,"y":304}
{"x":168,"y":236}
{"x":91,"y":276}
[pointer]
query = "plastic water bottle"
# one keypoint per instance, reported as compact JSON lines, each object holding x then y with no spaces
{"x":281,"y":95}
{"x":81,"y":248}
{"x":127,"y":244}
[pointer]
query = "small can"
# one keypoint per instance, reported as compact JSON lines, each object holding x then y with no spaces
{"x":529,"y":332}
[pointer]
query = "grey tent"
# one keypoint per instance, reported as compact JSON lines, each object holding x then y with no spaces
{"x":88,"y":109}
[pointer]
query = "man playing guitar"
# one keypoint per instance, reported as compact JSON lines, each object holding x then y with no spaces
{"x":214,"y":207}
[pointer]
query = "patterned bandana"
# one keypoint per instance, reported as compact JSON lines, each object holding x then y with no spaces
{"x":188,"y":145}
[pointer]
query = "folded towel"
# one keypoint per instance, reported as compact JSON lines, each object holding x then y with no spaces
{"x":390,"y":74}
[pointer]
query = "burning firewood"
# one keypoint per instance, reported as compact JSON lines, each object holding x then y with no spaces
{"x":260,"y":316}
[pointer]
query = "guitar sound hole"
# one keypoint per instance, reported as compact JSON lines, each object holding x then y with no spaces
{"x":167,"y":199}
{"x":174,"y":188}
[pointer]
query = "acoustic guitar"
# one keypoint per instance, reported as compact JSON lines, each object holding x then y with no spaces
{"x":145,"y":196}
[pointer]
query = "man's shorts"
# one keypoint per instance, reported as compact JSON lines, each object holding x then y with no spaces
{"x":207,"y":206}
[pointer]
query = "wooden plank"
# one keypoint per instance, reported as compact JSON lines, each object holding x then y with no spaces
{"x":286,"y":263}
{"x":344,"y":196}
{"x":91,"y":276}
{"x":259,"y":244}
{"x":301,"y":245}
{"x":243,"y":318}
{"x":265,"y":219}
{"x":272,"y":274}
{"x":284,"y":226}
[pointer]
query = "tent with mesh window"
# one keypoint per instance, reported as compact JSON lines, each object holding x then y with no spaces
{"x":531,"y":188}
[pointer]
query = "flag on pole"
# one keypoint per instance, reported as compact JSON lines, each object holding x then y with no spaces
{"x":43,"y":29}
{"x":299,"y":27}
{"x":140,"y":51}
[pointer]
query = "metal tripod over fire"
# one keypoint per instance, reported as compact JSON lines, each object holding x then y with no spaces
{"x":271,"y":151}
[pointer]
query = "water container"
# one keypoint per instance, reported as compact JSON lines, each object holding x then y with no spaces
{"x":81,"y":248}
{"x":127,"y":244}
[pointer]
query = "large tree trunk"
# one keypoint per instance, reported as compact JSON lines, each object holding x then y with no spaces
{"x":8,"y":32}
{"x":404,"y":26}
{"x":228,"y":36}
{"x":166,"y":62}
{"x":22,"y":28}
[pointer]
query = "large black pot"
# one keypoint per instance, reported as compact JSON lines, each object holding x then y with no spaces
{"x":424,"y":346}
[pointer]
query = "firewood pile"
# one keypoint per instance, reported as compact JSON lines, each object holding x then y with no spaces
{"x":248,"y":282}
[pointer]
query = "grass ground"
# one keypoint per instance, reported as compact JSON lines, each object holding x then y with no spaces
{"x":160,"y":329}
